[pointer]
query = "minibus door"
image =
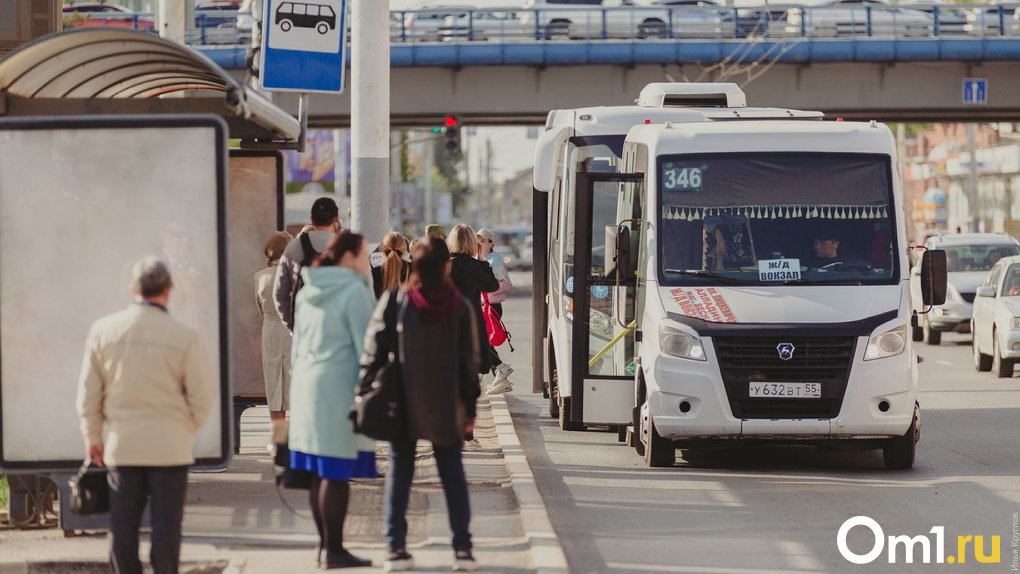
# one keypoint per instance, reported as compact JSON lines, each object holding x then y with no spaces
{"x":602,"y":353}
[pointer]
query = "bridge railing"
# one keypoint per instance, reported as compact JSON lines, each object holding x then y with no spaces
{"x":689,"y":22}
{"x":659,"y":23}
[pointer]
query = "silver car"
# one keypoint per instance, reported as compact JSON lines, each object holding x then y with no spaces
{"x":497,"y":24}
{"x":970,"y":256}
{"x":997,"y":20}
{"x":996,"y":322}
{"x":857,"y":18}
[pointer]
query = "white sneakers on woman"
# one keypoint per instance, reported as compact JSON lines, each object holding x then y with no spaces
{"x":502,"y":383}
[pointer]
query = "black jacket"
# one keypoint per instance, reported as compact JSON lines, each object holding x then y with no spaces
{"x":473,"y":277}
{"x":439,"y":362}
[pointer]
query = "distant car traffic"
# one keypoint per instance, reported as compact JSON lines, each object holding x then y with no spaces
{"x":104,"y":15}
{"x":970,"y":256}
{"x":996,"y":322}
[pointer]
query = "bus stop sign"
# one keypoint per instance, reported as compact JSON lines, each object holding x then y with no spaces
{"x":304,"y":46}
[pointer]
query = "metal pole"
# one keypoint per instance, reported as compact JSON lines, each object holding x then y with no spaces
{"x":173,"y":20}
{"x":974,"y":197}
{"x":370,"y":118}
{"x":429,"y":207}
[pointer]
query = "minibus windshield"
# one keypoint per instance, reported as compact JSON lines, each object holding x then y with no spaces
{"x":776,"y":219}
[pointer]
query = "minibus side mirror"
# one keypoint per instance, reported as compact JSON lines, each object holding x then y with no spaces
{"x":617,"y":257}
{"x":986,"y":291}
{"x":934,"y":277}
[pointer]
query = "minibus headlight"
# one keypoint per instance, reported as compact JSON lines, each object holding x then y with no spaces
{"x":1016,"y":322}
{"x":680,"y":344}
{"x":886,"y":344}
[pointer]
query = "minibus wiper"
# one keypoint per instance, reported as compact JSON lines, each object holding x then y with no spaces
{"x":706,"y":275}
{"x":820,"y":282}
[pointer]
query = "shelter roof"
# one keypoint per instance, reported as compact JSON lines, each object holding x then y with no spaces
{"x":117,"y":71}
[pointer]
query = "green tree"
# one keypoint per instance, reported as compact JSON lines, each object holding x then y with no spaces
{"x":447,"y":175}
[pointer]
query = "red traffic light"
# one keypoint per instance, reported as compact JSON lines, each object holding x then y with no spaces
{"x":451,"y":121}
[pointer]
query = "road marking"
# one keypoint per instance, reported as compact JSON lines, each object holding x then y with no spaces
{"x":701,"y":569}
{"x":944,"y":362}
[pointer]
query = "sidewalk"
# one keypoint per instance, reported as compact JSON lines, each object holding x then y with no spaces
{"x":236,"y":523}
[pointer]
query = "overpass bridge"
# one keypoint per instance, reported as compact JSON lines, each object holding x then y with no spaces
{"x":884,"y":72}
{"x":899,"y":80}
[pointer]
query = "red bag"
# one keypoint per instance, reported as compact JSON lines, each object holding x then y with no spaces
{"x":493,"y":323}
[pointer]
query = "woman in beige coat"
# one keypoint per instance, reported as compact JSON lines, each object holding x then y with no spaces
{"x":275,"y":336}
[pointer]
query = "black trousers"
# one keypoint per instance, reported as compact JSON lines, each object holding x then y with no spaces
{"x":131,"y":487}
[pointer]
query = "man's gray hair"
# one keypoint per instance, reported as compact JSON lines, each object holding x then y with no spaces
{"x":150,"y":277}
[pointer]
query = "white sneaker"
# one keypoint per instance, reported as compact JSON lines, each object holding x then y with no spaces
{"x":398,"y":561}
{"x":498,"y":387}
{"x":502,"y":372}
{"x":464,"y":561}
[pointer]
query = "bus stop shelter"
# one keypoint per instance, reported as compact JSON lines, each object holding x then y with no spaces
{"x":114,"y":72}
{"x":93,"y":79}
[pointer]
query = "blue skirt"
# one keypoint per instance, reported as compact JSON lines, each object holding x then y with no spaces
{"x":335,"y":468}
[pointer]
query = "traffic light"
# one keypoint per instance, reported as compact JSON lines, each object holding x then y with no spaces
{"x":451,"y":134}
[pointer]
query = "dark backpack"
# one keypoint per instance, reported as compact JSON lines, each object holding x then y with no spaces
{"x":299,"y":282}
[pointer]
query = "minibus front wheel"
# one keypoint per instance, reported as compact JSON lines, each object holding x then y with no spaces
{"x":899,"y":453}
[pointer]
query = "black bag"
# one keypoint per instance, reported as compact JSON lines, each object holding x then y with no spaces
{"x":378,"y":410}
{"x":90,"y":492}
{"x":299,"y":282}
{"x":290,"y":477}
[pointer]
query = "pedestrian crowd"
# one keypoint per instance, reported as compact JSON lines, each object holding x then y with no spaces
{"x":337,"y":312}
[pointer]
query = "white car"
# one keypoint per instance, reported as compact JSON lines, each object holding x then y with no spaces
{"x":970,"y":256}
{"x":996,"y":322}
{"x":594,"y":19}
{"x":994,"y":20}
{"x":486,"y":24}
{"x":423,"y":24}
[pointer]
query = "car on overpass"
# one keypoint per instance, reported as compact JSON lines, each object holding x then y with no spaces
{"x":106,"y":15}
{"x":969,"y":257}
{"x":424,"y":22}
{"x":499,"y":23}
{"x":952,"y":19}
{"x":857,"y":18}
{"x":595,"y":19}
{"x":996,"y":322}
{"x":993,"y":20}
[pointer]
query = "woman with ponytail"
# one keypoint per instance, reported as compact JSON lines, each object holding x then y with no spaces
{"x":394,"y":270}
{"x":332,"y":313}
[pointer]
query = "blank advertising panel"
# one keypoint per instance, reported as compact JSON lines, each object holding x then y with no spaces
{"x":256,"y":191}
{"x":81,"y":200}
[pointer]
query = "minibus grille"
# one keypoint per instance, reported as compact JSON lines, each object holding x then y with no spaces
{"x":824,"y":360}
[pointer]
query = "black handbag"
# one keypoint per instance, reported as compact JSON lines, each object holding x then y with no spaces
{"x":378,"y":410}
{"x":290,"y":477}
{"x":90,"y":492}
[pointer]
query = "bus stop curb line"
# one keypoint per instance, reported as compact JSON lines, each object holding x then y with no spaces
{"x":547,"y":555}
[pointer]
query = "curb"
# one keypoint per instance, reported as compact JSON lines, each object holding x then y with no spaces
{"x":547,"y":555}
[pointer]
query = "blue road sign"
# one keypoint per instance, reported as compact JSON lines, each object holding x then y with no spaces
{"x":975,"y":91}
{"x":304,"y":45}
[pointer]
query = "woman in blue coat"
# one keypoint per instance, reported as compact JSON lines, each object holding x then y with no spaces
{"x":332,"y":313}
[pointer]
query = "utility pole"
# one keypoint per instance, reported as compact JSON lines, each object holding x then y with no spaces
{"x":370,"y":118}
{"x":974,"y":197}
{"x":173,"y":20}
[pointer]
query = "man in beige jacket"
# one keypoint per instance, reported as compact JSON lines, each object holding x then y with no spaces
{"x":146,"y":387}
